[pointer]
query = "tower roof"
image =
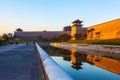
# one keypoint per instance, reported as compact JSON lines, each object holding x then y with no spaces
{"x":77,"y":21}
{"x":19,"y":29}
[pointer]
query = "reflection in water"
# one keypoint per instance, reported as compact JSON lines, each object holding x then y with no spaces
{"x":67,"y":58}
{"x":105,"y":63}
{"x":77,"y":59}
{"x":78,"y":62}
{"x":102,"y":62}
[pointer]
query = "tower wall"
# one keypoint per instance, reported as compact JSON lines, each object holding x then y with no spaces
{"x":77,"y":29}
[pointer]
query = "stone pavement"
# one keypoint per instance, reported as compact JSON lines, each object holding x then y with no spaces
{"x":104,"y":48}
{"x":100,"y":50}
{"x":19,"y":62}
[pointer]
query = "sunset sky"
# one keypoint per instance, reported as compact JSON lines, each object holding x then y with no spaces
{"x":39,"y":15}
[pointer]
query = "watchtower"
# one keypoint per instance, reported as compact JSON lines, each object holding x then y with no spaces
{"x":76,"y":28}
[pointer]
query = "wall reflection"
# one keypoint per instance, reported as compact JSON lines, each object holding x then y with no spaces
{"x":105,"y":63}
{"x":102,"y":62}
{"x":78,"y":58}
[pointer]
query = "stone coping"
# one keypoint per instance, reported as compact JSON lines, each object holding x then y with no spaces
{"x":52,"y":69}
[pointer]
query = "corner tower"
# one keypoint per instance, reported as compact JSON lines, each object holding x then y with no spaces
{"x":76,"y":28}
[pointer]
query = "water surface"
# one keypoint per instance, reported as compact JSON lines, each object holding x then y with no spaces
{"x":86,"y":66}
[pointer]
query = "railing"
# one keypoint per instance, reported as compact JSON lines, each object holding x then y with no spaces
{"x":52,"y":69}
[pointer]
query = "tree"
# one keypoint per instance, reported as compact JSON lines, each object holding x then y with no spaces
{"x":55,"y":39}
{"x":98,"y":35}
{"x":64,"y":37}
{"x":85,"y":35}
{"x":4,"y":38}
{"x":17,"y":39}
{"x":77,"y":36}
{"x":0,"y":42}
{"x":118,"y":34}
{"x":10,"y":36}
{"x":90,"y":33}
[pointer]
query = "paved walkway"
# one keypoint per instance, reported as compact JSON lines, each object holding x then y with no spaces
{"x":19,"y":62}
{"x":104,"y":48}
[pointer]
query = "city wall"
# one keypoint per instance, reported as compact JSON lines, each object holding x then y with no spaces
{"x":107,"y":30}
{"x":39,"y":35}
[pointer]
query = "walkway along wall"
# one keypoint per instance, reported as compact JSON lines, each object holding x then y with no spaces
{"x":84,"y":47}
{"x":52,"y":69}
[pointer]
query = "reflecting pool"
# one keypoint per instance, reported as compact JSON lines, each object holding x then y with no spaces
{"x":85,"y":66}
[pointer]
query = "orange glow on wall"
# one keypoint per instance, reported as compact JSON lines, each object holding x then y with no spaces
{"x":73,"y":57}
{"x":73,"y":32}
{"x":108,"y":30}
{"x":105,"y":63}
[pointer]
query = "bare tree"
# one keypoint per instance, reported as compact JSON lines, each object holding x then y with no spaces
{"x":90,"y":33}
{"x":98,"y":35}
{"x":77,"y":36}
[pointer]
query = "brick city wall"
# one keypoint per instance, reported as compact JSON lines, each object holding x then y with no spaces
{"x":108,"y":30}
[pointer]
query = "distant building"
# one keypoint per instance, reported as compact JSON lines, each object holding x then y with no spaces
{"x":67,"y":28}
{"x":77,"y":29}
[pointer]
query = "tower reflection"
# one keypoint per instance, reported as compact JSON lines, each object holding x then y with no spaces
{"x":77,"y":59}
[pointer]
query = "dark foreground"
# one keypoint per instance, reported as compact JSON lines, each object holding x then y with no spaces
{"x":19,"y":62}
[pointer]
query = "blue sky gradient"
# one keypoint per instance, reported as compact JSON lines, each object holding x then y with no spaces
{"x":39,"y":15}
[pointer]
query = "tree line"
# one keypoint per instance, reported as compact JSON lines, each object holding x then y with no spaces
{"x":8,"y":39}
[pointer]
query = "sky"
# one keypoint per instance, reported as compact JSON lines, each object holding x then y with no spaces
{"x":53,"y":15}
